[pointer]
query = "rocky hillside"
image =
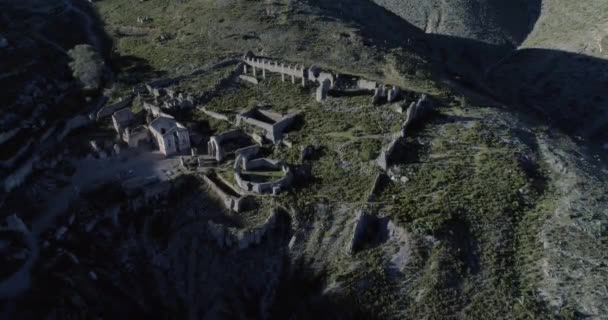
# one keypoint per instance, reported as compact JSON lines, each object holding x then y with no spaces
{"x":491,"y":21}
{"x":492,"y":206}
{"x":545,"y":56}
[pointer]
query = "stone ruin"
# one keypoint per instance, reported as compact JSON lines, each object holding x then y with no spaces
{"x":169,"y":135}
{"x":272,"y":123}
{"x":168,"y":99}
{"x":228,"y":143}
{"x":226,"y":237}
{"x":232,"y":199}
{"x":244,"y":167}
{"x":415,"y":111}
{"x":263,"y":65}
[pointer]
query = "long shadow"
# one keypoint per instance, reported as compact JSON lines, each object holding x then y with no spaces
{"x":563,"y":89}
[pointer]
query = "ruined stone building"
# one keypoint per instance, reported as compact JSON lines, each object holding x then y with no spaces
{"x":272,"y":123}
{"x":227,"y":143}
{"x":247,"y":179}
{"x":137,"y":136}
{"x":170,"y":136}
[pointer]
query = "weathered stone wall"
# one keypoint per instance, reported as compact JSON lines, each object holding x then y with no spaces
{"x":20,"y":174}
{"x":109,"y":110}
{"x":273,"y":187}
{"x":279,"y":128}
{"x":415,"y":111}
{"x":214,"y":115}
{"x":11,"y":161}
{"x":231,"y":202}
{"x":248,"y":152}
{"x":214,"y":146}
{"x":7,"y":135}
{"x":366,"y":84}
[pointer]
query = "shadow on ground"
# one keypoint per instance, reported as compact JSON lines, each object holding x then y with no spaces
{"x":562,"y":88}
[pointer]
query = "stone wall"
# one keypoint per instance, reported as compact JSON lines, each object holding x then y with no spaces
{"x":263,"y":65}
{"x":11,"y":161}
{"x":214,"y":146}
{"x":109,"y":110}
{"x":214,"y":115}
{"x":273,"y":187}
{"x":273,"y":131}
{"x":231,"y":202}
{"x":375,"y":186}
{"x":7,"y":135}
{"x":384,"y":158}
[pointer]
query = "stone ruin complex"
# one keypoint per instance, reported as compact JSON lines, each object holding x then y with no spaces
{"x":272,"y":123}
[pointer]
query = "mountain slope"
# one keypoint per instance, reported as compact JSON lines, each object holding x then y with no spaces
{"x":491,"y":21}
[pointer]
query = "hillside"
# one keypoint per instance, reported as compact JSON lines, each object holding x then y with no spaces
{"x":491,"y":21}
{"x":489,"y":206}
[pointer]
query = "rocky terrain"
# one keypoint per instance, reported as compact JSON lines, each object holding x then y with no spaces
{"x":491,"y":204}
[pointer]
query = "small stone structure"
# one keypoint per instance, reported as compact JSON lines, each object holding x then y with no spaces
{"x":274,"y":124}
{"x":224,"y":144}
{"x":243,"y":164}
{"x":322,"y":90}
{"x":230,"y":197}
{"x":170,"y":136}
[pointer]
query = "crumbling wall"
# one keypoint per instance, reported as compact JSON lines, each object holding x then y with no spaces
{"x":23,"y":150}
{"x":248,"y":152}
{"x":322,"y":90}
{"x":384,"y":158}
{"x":214,"y":146}
{"x":109,"y":110}
{"x":415,"y":111}
{"x":273,"y":187}
{"x":214,"y":115}
{"x":273,"y":131}
{"x":293,"y":71}
{"x":366,"y":84}
{"x":231,"y":203}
